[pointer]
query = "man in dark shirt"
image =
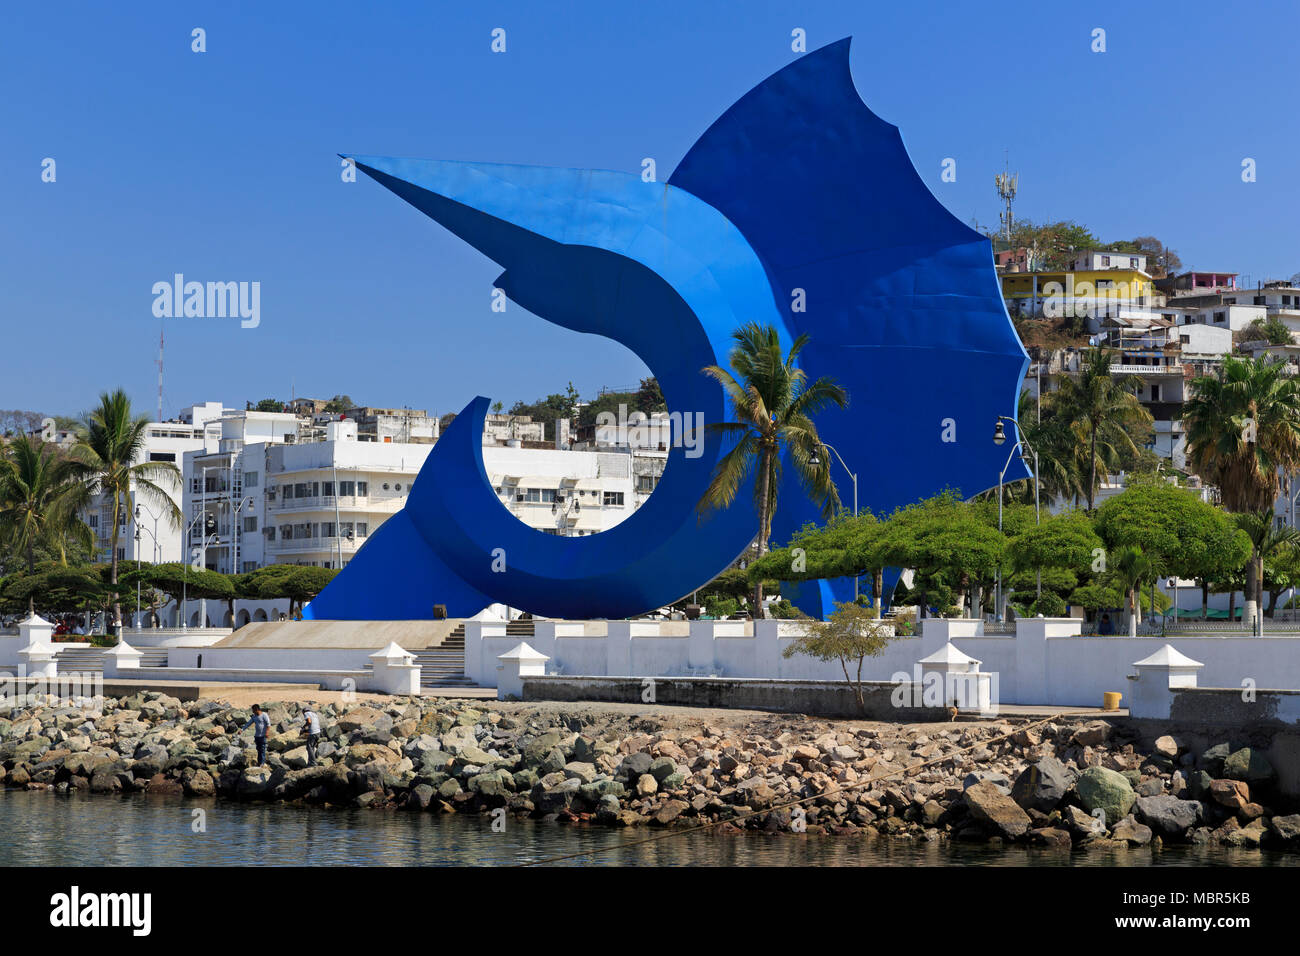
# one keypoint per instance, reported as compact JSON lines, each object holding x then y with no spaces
{"x":261,"y":724}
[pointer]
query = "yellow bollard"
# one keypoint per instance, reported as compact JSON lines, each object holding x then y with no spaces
{"x":1110,"y":700}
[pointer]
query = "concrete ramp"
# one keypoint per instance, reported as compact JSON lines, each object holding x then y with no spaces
{"x":413,"y":636}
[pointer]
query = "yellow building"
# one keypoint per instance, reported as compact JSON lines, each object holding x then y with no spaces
{"x":1090,"y":292}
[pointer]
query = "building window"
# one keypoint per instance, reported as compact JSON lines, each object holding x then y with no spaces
{"x":612,"y":498}
{"x":250,"y":524}
{"x":162,"y":456}
{"x":1105,"y":262}
{"x":250,"y":479}
{"x":94,"y":521}
{"x":361,"y":489}
{"x":287,"y":492}
{"x":270,"y":533}
{"x":327,"y":529}
{"x":121,"y":554}
{"x":1219,"y":316}
{"x":327,"y":489}
{"x":361,"y":529}
{"x":645,"y":484}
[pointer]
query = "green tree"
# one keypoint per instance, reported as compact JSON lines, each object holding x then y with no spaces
{"x":1182,"y":534}
{"x":1266,"y":539}
{"x":1105,"y":407}
{"x":38,"y":501}
{"x":851,"y":634}
{"x":773,"y":404}
{"x":1132,"y":568}
{"x":54,"y":588}
{"x":1055,"y":243}
{"x":950,"y":546}
{"x":110,"y":464}
{"x":846,"y":546}
{"x":1272,"y":330}
{"x":293,"y":582}
{"x":650,"y":397}
{"x":1243,"y":431}
{"x":339,"y":404}
{"x":1281,"y":572}
{"x":269,"y":405}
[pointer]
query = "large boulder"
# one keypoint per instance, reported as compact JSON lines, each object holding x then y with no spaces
{"x":1249,"y":765}
{"x":995,"y":777}
{"x":1099,"y":788}
{"x":996,"y":810}
{"x":1286,"y":828}
{"x":1211,"y":760}
{"x":1167,"y":815}
{"x":1233,"y":794}
{"x":1042,"y":785}
{"x":254,"y":781}
{"x":1132,"y":832}
{"x":1091,"y":734}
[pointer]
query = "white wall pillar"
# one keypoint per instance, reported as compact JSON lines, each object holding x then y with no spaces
{"x":122,"y":658}
{"x":395,"y":670}
{"x":38,"y":660}
{"x":476,"y":669}
{"x":34,"y":629}
{"x":1030,"y":682}
{"x":618,"y":649}
{"x":519,"y":662}
{"x":699,"y":652}
{"x":767,"y":648}
{"x":1158,"y":676}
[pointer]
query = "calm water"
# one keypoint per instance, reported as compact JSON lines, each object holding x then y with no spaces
{"x":43,"y":829}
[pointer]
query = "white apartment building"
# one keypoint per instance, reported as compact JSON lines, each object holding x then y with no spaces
{"x":1095,"y":259}
{"x":257,"y":493}
{"x":144,"y":530}
{"x":501,"y":429}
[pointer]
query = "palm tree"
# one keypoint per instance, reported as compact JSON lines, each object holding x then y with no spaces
{"x":772,"y":402}
{"x":1243,"y":433}
{"x":108,"y":464}
{"x":1104,"y":408}
{"x":1266,"y":539}
{"x":37,"y":501}
{"x":1243,"y":430}
{"x":1132,"y":567}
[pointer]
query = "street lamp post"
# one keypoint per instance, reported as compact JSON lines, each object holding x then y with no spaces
{"x":814,"y":460}
{"x":185,"y":563}
{"x":999,"y":437}
{"x":562,"y":517}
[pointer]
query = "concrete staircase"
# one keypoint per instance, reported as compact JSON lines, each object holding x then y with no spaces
{"x":443,"y":665}
{"x":81,"y":660}
{"x":90,"y":660}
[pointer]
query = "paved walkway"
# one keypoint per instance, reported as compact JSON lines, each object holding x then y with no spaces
{"x":1046,"y":710}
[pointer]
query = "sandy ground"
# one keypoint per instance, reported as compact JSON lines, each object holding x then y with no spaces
{"x":604,"y":717}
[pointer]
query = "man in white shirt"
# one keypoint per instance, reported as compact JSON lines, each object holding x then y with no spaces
{"x":311,"y":727}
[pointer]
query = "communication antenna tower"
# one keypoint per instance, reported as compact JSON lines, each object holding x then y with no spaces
{"x":1006,"y":183}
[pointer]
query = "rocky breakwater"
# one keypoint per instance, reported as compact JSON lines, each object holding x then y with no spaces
{"x":1066,"y":784}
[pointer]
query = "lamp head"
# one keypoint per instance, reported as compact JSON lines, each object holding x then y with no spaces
{"x":999,"y":433}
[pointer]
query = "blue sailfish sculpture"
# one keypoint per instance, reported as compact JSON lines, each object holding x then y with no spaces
{"x":798,"y":208}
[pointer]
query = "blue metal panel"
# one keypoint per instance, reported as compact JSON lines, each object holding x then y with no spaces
{"x":798,"y":185}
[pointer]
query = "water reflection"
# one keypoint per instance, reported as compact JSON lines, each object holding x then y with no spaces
{"x":42,"y":829}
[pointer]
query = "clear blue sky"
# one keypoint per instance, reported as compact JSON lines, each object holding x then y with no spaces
{"x":222,"y":165}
